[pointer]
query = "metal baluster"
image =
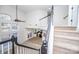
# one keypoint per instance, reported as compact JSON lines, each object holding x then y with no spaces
{"x":8,"y":48}
{"x":32,"y":51}
{"x":20,"y":50}
{"x":17,"y":50}
{"x":2,"y":49}
{"x":28,"y":51}
{"x":23,"y":50}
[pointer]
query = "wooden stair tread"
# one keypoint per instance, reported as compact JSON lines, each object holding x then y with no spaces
{"x":60,"y":50}
{"x":76,"y":42}
{"x":65,"y":26}
{"x":67,"y":46}
{"x":67,"y":37}
{"x":68,"y":31}
{"x":68,"y":42}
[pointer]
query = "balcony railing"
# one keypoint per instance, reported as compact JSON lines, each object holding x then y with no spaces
{"x":11,"y":46}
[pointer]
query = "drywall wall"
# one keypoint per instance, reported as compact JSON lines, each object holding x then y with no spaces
{"x":11,"y":11}
{"x":34,"y":17}
{"x":60,"y":11}
{"x":78,"y":19}
{"x":73,"y":15}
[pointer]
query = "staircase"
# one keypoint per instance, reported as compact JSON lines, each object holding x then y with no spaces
{"x":66,"y":40}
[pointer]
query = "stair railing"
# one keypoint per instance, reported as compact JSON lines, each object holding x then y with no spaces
{"x":47,"y":44}
{"x":12,"y":47}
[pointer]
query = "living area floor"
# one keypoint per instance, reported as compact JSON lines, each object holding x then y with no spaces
{"x":34,"y":42}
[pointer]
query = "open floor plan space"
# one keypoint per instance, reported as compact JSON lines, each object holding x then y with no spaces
{"x":39,"y":29}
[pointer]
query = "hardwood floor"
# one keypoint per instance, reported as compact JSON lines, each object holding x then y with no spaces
{"x":34,"y":42}
{"x":66,"y":40}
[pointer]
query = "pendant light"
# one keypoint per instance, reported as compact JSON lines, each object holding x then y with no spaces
{"x":17,"y":20}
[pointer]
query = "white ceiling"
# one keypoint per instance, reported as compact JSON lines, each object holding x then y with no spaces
{"x":29,"y":8}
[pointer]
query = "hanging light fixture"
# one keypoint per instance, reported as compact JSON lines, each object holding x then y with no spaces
{"x":17,"y":20}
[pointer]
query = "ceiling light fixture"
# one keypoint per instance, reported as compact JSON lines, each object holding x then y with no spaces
{"x":17,"y":20}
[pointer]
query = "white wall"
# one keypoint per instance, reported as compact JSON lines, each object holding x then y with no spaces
{"x":78,"y":20}
{"x":60,"y":11}
{"x":10,"y":10}
{"x":34,"y":18}
{"x":73,"y":15}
